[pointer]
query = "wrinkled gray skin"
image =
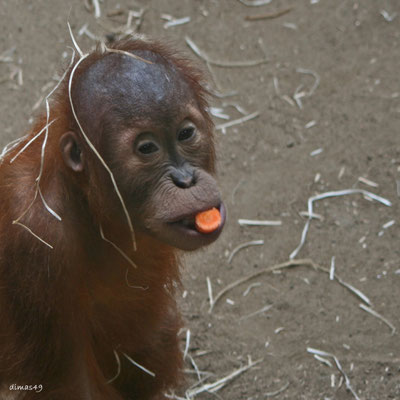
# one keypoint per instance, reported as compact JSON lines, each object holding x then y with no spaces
{"x":145,"y":120}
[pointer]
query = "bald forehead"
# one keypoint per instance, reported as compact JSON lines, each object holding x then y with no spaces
{"x":132,"y":87}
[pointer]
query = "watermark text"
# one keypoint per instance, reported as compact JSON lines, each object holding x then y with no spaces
{"x":26,"y":388}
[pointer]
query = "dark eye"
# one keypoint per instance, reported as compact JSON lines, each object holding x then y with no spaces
{"x":147,"y":148}
{"x":186,"y":133}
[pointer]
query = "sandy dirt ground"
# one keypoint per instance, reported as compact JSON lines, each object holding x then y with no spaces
{"x":321,"y":108}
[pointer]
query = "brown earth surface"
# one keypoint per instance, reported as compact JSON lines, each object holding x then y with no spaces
{"x":340,"y":60}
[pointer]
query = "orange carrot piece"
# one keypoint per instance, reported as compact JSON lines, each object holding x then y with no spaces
{"x":208,"y":221}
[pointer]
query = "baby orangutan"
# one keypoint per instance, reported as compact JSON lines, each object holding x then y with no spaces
{"x":87,"y":311}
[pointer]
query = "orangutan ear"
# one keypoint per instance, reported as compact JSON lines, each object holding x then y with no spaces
{"x":71,"y":151}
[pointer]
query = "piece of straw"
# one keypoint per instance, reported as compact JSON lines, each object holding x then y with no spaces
{"x":243,"y":246}
{"x":139,"y":366}
{"x":325,"y":195}
{"x":338,"y":366}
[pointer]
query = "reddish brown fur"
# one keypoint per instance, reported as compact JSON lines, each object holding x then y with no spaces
{"x":64,"y":311}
